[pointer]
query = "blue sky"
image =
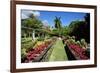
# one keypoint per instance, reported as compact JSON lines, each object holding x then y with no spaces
{"x":47,"y":17}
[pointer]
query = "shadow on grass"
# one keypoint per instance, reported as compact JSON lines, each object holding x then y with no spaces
{"x":69,"y":54}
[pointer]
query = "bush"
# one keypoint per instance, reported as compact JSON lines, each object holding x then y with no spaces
{"x":23,"y":54}
{"x":40,"y":39}
{"x":29,"y":45}
{"x":78,"y":43}
{"x":83,"y":43}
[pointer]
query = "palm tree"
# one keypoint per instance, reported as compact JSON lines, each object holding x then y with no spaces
{"x":57,"y":22}
{"x":58,"y":26}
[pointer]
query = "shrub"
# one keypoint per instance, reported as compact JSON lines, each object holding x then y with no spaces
{"x":23,"y":54}
{"x":78,"y":43}
{"x":40,"y":39}
{"x":83,"y":43}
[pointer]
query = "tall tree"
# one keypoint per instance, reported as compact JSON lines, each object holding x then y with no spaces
{"x":57,"y":22}
{"x":87,"y":30}
{"x":29,"y":24}
{"x":32,"y":22}
{"x":81,"y":29}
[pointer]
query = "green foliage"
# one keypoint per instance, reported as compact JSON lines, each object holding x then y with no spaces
{"x":79,"y":30}
{"x":55,"y":32}
{"x":25,"y":40}
{"x":72,"y":41}
{"x":87,"y":18}
{"x":60,"y":32}
{"x":83,"y":42}
{"x":40,"y":39}
{"x":32,"y":23}
{"x":28,"y":45}
{"x":23,"y":54}
{"x":75,"y":25}
{"x":78,"y":43}
{"x":27,"y":25}
{"x":57,"y":22}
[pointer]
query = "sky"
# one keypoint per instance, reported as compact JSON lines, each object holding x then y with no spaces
{"x":47,"y":17}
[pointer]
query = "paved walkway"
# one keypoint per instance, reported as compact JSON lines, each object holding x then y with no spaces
{"x":58,"y":53}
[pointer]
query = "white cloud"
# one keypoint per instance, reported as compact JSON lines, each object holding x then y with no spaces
{"x":45,"y":23}
{"x":27,"y":13}
{"x":36,"y":13}
{"x":23,"y":16}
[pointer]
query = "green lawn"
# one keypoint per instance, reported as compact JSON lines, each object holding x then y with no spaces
{"x":58,"y":53}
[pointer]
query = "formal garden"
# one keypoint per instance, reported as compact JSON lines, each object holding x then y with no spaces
{"x":41,"y":42}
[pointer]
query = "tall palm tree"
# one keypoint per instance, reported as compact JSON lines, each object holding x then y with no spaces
{"x":57,"y":22}
{"x":58,"y":26}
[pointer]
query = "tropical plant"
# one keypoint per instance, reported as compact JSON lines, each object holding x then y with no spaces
{"x":57,"y":22}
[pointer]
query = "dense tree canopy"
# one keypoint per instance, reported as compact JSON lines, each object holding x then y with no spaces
{"x":29,"y":24}
{"x":81,"y":29}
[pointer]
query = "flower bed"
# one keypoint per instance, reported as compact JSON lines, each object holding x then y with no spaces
{"x":36,"y":53}
{"x":77,"y":48}
{"x":78,"y":51}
